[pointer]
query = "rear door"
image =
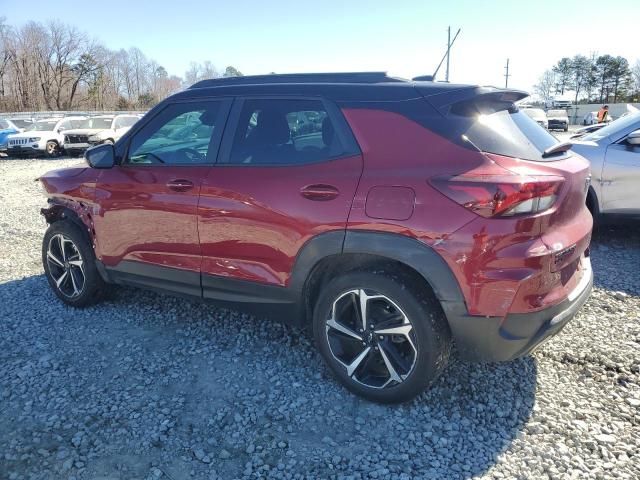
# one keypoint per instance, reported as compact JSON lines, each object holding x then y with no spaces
{"x":147,"y":228}
{"x":288,"y":171}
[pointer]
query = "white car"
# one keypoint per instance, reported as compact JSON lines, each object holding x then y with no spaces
{"x":97,"y":130}
{"x":42,"y":137}
{"x":538,"y":115}
{"x":558,"y":120}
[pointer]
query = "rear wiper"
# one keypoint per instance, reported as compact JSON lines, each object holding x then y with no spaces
{"x":556,"y":149}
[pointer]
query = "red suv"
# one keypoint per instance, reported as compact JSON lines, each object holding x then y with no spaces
{"x":394,"y":217}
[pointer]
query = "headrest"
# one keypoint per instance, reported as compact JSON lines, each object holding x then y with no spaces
{"x":272,"y":128}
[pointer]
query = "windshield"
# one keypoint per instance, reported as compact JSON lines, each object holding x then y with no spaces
{"x":557,"y":113}
{"x":21,"y":123}
{"x":101,"y":123}
{"x":43,"y":126}
{"x":614,"y":127}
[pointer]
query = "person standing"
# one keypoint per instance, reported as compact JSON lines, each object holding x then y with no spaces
{"x":603,"y":114}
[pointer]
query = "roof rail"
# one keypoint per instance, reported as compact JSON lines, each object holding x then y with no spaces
{"x":346,"y":77}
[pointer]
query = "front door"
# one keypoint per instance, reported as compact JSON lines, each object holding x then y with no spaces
{"x":621,"y":179}
{"x":147,"y":226}
{"x":288,"y":171}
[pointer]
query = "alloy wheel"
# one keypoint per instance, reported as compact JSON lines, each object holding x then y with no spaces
{"x":66,"y":266}
{"x":373,"y":339}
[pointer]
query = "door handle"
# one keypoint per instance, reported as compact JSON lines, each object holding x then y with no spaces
{"x":180,"y":185}
{"x":319,"y":192}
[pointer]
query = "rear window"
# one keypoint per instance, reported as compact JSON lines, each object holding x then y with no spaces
{"x":557,"y":113}
{"x":509,"y":133}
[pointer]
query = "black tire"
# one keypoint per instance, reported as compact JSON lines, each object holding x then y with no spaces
{"x":430,"y":334}
{"x":592,"y":205}
{"x":566,"y":129}
{"x":93,"y":287}
{"x":52,"y":149}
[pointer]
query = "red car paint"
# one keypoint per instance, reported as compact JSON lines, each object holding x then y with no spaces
{"x":250,"y":223}
{"x":503,"y":265}
{"x":253,"y":230}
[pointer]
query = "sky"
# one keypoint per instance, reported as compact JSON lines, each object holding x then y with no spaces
{"x":405,"y":38}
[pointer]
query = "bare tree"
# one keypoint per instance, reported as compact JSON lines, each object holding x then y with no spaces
{"x":57,"y":66}
{"x":635,"y":75}
{"x":546,"y":86}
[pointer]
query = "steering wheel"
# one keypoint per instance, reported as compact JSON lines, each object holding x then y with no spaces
{"x":152,"y":157}
{"x":192,"y":154}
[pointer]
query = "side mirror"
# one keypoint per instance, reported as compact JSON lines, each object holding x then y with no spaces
{"x":633,"y":138}
{"x":100,"y":156}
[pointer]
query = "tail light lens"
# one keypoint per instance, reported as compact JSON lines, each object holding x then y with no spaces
{"x":501,"y":195}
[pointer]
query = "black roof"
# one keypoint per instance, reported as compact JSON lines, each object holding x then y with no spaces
{"x":352,"y":87}
{"x":339,"y":77}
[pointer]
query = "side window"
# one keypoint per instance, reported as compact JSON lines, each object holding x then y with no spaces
{"x":181,"y":134}
{"x":4,"y":125}
{"x":284,"y":132}
{"x":128,"y":121}
{"x":117,"y":123}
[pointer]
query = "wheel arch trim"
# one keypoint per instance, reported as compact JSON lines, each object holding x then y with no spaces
{"x":405,"y":250}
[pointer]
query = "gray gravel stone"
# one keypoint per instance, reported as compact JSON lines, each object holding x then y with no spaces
{"x":152,"y":386}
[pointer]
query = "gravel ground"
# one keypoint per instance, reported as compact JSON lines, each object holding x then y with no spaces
{"x":152,"y":387}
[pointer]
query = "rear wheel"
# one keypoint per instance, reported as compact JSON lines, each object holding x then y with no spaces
{"x":69,"y":265}
{"x":384,"y":339}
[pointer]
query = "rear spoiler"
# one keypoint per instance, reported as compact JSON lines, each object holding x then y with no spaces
{"x":563,"y":147}
{"x":498,"y":98}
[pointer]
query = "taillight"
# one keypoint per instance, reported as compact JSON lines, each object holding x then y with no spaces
{"x":500,"y":195}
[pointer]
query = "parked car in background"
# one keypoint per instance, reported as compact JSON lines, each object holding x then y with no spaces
{"x":558,"y":120}
{"x":614,"y":154}
{"x":558,"y":102}
{"x":276,"y":194}
{"x":6,"y":128}
{"x":97,"y":130}
{"x":590,"y":118}
{"x":538,"y":115}
{"x":21,"y":124}
{"x":43,"y":137}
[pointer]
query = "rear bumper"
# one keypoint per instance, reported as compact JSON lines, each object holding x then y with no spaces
{"x":496,"y":339}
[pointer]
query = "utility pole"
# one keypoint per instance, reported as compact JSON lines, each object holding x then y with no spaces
{"x":448,"y":52}
{"x":506,"y":75}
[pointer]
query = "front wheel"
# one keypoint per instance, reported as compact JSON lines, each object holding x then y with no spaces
{"x":384,"y":339}
{"x":52,"y":149}
{"x":69,"y":265}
